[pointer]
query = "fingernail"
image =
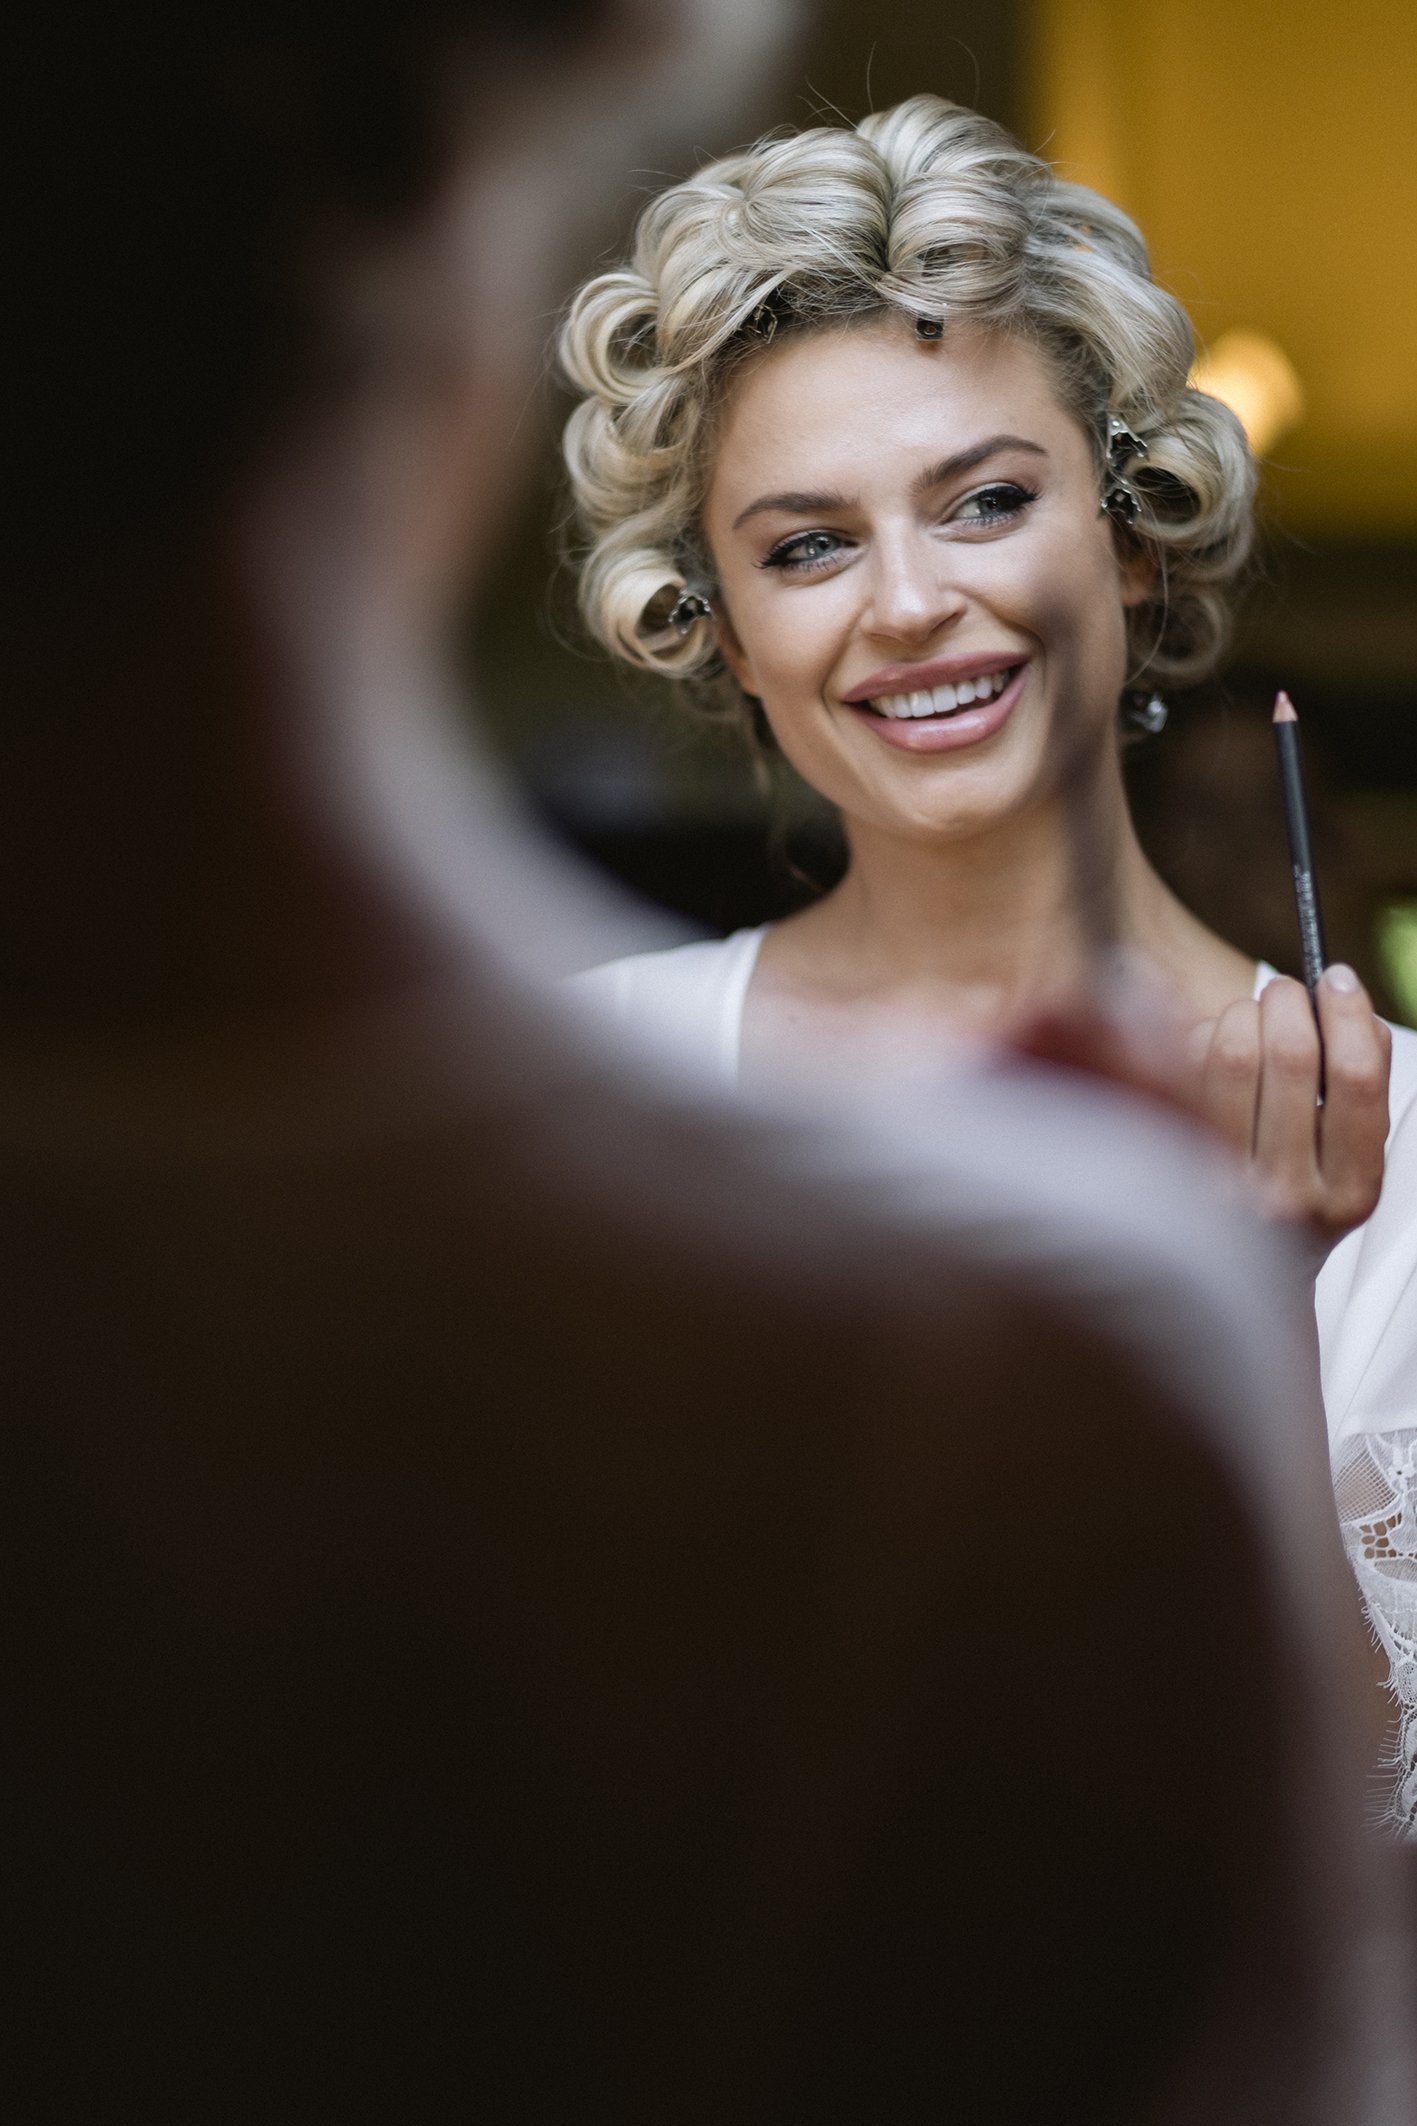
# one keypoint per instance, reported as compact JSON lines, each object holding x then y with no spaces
{"x":1341,"y":978}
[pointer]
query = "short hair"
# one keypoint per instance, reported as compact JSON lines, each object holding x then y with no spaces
{"x":927,"y":209}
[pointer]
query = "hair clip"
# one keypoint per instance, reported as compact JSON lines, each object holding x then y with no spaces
{"x":1123,"y":444}
{"x":764,"y":318}
{"x":929,"y":328}
{"x":688,"y":609}
{"x":1120,"y":501}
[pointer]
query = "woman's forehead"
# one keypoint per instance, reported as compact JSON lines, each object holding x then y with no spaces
{"x":854,"y":396}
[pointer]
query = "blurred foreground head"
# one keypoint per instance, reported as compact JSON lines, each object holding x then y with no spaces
{"x":225,"y":220}
{"x":525,"y":1598}
{"x":280,"y":282}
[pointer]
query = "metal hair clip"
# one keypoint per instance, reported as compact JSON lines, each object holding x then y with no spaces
{"x":764,"y":319}
{"x":1123,"y":444}
{"x":929,"y":328}
{"x":689,"y":608}
{"x":1121,"y":501}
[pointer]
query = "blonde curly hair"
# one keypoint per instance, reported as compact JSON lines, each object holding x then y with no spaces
{"x":927,"y":210}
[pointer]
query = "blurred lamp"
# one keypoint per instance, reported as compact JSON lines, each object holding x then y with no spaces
{"x":1255,"y":378}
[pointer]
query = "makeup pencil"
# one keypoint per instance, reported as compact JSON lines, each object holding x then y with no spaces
{"x":1296,"y":819}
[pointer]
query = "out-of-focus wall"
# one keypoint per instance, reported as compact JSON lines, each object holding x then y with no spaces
{"x":1269,"y":151}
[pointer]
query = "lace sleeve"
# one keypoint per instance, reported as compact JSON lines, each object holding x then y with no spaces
{"x":1375,"y":1483}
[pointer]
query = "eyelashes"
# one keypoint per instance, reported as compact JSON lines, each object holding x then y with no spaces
{"x":804,"y":550}
{"x":1002,"y":502}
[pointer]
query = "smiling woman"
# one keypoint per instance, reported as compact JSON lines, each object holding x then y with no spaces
{"x":914,"y":622}
{"x":886,"y":449}
{"x":924,"y":213}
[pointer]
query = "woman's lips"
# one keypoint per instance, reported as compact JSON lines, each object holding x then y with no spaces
{"x":945,"y":733}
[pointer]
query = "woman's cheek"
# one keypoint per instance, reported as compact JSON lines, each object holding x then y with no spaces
{"x":790,"y":656}
{"x":1078,"y":611}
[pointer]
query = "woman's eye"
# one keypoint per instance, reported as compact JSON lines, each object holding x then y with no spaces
{"x":805,"y":550}
{"x":996,"y":504}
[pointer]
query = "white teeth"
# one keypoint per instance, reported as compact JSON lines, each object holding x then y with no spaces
{"x":941,"y":700}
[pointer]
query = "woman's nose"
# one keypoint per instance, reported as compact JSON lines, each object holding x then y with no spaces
{"x":913,"y":589}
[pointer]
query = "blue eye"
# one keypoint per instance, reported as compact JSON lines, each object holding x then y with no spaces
{"x":997,"y":504}
{"x":805,"y":550}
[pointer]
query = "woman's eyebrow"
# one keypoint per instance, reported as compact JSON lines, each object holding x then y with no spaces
{"x":799,"y":503}
{"x":792,"y":505}
{"x":965,"y":460}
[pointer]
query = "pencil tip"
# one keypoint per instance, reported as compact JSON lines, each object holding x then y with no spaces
{"x":1284,"y":711}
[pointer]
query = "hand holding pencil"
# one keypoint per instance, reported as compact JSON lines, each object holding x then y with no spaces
{"x":1256,"y":1072}
{"x":1300,"y":1089}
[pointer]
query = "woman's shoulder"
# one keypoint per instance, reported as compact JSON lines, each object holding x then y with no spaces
{"x":1364,"y":1295}
{"x":689,"y":997}
{"x":1402,"y":1086}
{"x":680,"y":969}
{"x":1401,"y":1177}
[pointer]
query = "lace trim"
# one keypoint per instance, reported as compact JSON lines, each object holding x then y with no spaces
{"x":1375,"y":1483}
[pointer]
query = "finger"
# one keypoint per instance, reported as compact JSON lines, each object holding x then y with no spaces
{"x":1230,"y":1075}
{"x":1354,"y":1120}
{"x":1286,"y":1120}
{"x":1195,"y":1050}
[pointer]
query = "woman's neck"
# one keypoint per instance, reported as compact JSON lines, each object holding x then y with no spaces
{"x":982,"y":928}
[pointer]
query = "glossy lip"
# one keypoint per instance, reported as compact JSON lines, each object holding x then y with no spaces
{"x":939,"y":672}
{"x":947,"y":733}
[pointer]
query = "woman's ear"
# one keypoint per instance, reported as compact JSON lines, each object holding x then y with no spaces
{"x":1136,"y":572}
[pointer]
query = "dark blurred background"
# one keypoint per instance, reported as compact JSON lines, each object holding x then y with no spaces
{"x":1268,"y":154}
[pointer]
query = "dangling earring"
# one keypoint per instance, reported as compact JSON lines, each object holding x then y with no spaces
{"x":1146,"y":716}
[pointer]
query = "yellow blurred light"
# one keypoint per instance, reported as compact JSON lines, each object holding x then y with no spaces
{"x":1255,"y":378}
{"x":1397,"y":942}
